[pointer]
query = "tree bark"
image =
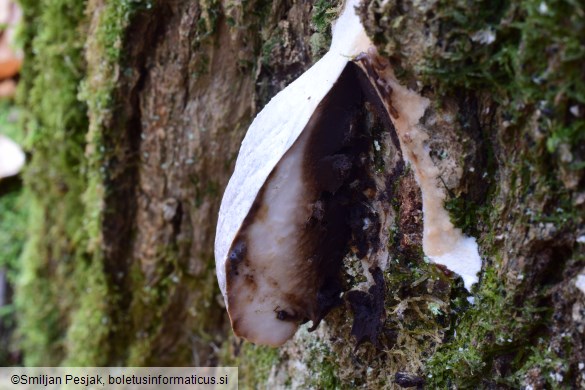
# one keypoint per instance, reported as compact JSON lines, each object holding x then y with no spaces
{"x":153,"y":100}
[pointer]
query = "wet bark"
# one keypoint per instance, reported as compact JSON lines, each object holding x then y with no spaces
{"x":191,"y":77}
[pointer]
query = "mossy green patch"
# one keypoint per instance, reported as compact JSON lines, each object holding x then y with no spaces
{"x":524,"y":59}
{"x":99,"y":90}
{"x":12,"y":231}
{"x":322,"y":15}
{"x":275,"y":40}
{"x":528,"y":53}
{"x":12,"y":210}
{"x":255,"y":363}
{"x":64,"y":297}
{"x":207,"y":24}
{"x":105,"y":53}
{"x":55,"y":124}
{"x":151,"y":300}
{"x":548,"y":365}
{"x":324,"y":366}
{"x":465,"y":214}
{"x":493,"y":335}
{"x":259,"y":365}
{"x":13,"y":219}
{"x":88,"y":333}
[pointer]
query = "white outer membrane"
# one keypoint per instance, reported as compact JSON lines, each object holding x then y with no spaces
{"x":277,"y":127}
{"x":270,"y":136}
{"x":12,"y":157}
{"x":275,"y":241}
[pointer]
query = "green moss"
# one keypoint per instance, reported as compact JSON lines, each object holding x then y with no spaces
{"x":64,"y":297}
{"x":324,"y":367}
{"x":255,"y":363}
{"x":150,"y":305}
{"x":207,"y":24}
{"x":208,"y":21}
{"x":88,"y":333}
{"x":55,"y":123}
{"x":526,"y":54}
{"x":492,"y":328}
{"x":465,"y":214}
{"x":466,"y":58}
{"x":157,"y":300}
{"x":13,"y":219}
{"x":142,"y":306}
{"x":10,"y":117}
{"x":106,"y":53}
{"x":275,"y":40}
{"x":422,"y":305}
{"x":544,"y":362}
{"x":534,"y":69}
{"x":322,"y":15}
{"x":533,"y":63}
{"x":35,"y":299}
{"x":12,"y":210}
{"x":527,"y":58}
{"x":12,"y":231}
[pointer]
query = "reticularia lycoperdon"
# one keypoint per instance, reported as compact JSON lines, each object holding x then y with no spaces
{"x":281,"y":234}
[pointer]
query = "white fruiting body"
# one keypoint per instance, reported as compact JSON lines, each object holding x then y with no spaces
{"x":12,"y":157}
{"x":264,"y":251}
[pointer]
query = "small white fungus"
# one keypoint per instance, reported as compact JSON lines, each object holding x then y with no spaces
{"x":485,"y":37}
{"x":580,"y":282}
{"x":12,"y":157}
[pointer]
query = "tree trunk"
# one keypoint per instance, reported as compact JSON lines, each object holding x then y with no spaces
{"x":134,"y":116}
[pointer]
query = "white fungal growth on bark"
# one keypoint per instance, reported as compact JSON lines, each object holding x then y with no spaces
{"x":442,"y":242}
{"x":12,"y":157}
{"x":282,"y":230}
{"x":580,"y":282}
{"x":278,"y":126}
{"x":275,"y":274}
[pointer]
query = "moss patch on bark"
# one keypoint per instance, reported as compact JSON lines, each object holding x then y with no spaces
{"x":521,"y":63}
{"x":64,"y":296}
{"x":55,"y":125}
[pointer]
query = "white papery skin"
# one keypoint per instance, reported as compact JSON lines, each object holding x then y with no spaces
{"x":272,"y":133}
{"x":273,"y":239}
{"x":12,"y":157}
{"x":273,"y":250}
{"x":278,"y":126}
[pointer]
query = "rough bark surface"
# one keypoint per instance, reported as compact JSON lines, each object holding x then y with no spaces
{"x":185,"y":131}
{"x":187,"y":78}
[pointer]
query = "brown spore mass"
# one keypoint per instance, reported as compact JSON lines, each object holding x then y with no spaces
{"x":335,"y":167}
{"x":368,"y":310}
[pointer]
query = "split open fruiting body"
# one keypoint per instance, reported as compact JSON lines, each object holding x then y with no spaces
{"x":281,"y":234}
{"x":285,"y":219}
{"x":283,"y":267}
